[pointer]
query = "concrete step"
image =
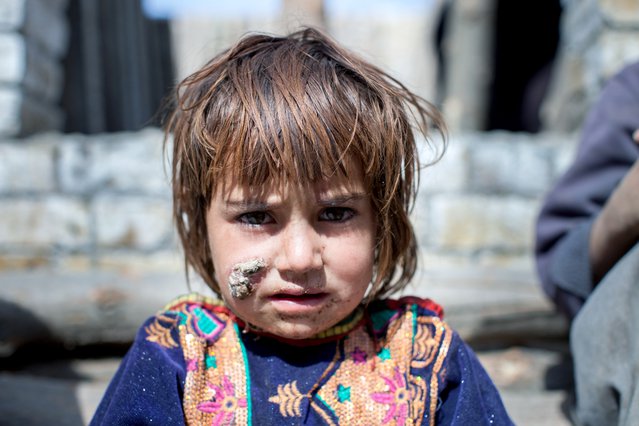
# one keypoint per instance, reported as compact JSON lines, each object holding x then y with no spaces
{"x":519,"y":339}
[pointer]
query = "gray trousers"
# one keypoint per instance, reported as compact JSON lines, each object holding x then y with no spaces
{"x":604,"y":340}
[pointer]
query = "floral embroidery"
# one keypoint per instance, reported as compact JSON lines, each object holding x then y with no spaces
{"x":390,"y":376}
{"x":289,"y":399}
{"x":397,"y":397}
{"x":223,"y":404}
{"x":191,"y":364}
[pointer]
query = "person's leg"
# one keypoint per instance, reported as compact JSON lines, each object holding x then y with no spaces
{"x":604,"y":342}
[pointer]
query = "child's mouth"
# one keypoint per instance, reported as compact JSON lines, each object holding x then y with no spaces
{"x":307,"y":300}
{"x":299,"y":297}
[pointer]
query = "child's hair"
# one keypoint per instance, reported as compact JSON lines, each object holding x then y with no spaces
{"x":298,"y":109}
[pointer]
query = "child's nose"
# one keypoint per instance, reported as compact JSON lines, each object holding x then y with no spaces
{"x":302,"y":248}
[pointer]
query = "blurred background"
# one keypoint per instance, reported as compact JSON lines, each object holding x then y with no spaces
{"x":87,"y":249}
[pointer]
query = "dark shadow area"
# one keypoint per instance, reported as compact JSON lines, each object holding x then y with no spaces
{"x":18,"y":326}
{"x":38,"y":383}
{"x":51,"y":359}
{"x":526,"y":40}
{"x":118,"y":69}
{"x":38,"y":379}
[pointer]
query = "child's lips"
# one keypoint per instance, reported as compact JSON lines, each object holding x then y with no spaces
{"x":298,"y":298}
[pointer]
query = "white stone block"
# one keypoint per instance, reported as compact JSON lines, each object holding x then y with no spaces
{"x":12,"y":58}
{"x":10,"y":101}
{"x":44,"y":223}
{"x":472,"y":223}
{"x":450,"y":173}
{"x":518,"y":165}
{"x":129,"y":222}
{"x":73,"y":164}
{"x":26,"y":166}
{"x":23,"y":115}
{"x":615,"y":49}
{"x":12,"y":14}
{"x":130,"y":162}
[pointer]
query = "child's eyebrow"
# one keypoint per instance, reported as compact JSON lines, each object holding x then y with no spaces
{"x":247,"y":205}
{"x":337,"y":199}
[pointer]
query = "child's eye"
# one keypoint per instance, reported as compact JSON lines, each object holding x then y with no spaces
{"x":255,"y":218}
{"x":337,"y":214}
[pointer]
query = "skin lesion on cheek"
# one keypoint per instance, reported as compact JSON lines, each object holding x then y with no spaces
{"x":240,"y":284}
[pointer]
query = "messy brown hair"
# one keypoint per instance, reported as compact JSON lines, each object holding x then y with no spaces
{"x":298,"y":108}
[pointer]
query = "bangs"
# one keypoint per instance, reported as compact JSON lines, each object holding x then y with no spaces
{"x":284,"y":115}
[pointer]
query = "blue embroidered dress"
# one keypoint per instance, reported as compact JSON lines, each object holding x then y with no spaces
{"x":394,"y":363}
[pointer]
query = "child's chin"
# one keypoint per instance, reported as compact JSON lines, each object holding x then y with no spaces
{"x":294,"y":332}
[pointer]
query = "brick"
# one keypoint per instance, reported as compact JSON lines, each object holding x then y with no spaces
{"x":165,"y":260}
{"x":50,"y":223}
{"x":517,"y":166}
{"x":11,"y":261}
{"x":130,"y":162}
{"x":12,"y":13}
{"x":519,"y":260}
{"x":129,"y":222}
{"x":26,"y":166}
{"x":10,"y":101}
{"x":73,"y":164}
{"x":471,"y":223}
{"x":450,"y":173}
{"x":614,"y":49}
{"x":12,"y":58}
{"x":23,"y":115}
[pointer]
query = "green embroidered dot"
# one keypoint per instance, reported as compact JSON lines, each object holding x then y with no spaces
{"x":384,"y":354}
{"x":343,"y":393}
{"x":210,"y":361}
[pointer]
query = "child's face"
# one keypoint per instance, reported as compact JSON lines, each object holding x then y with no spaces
{"x":317,"y":245}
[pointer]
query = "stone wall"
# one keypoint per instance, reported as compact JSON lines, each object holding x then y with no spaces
{"x":88,"y":250}
{"x":478,"y":206}
{"x":598,"y":38}
{"x":86,"y":238}
{"x":78,"y":202}
{"x":33,"y":41}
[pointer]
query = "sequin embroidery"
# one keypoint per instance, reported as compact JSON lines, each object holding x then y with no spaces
{"x":389,"y":373}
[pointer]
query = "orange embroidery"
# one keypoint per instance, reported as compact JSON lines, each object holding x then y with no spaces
{"x":160,"y":331}
{"x":289,"y":399}
{"x":389,"y":379}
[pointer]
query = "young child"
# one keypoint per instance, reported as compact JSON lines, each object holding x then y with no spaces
{"x":294,"y":170}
